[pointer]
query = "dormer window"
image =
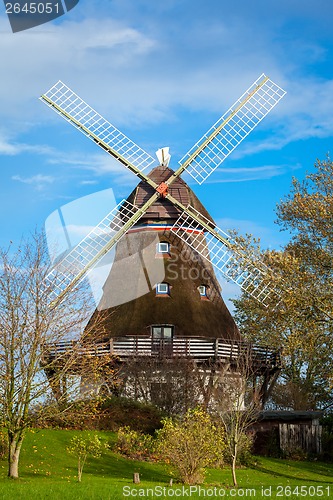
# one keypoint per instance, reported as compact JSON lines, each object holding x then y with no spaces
{"x":202,"y":290}
{"x":163,"y":250}
{"x":162,"y":289}
{"x":163,"y":247}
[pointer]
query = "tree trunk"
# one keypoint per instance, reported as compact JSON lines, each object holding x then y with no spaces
{"x":14,"y":448}
{"x":79,"y":470}
{"x":234,"y":459}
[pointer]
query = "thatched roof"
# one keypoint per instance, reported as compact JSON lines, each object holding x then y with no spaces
{"x":130,"y":305}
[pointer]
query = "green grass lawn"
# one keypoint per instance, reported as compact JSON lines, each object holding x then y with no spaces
{"x":48,"y":472}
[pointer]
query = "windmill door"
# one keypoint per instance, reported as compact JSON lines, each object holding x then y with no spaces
{"x":162,"y":336}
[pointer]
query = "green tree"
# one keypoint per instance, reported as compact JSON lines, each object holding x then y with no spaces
{"x":81,"y":447}
{"x":191,"y":443}
{"x":299,"y":318}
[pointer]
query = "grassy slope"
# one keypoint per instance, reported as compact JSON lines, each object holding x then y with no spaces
{"x":48,"y":472}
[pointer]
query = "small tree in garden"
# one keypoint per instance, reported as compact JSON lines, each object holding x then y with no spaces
{"x":81,"y":447}
{"x":191,"y":443}
{"x":237,"y":407}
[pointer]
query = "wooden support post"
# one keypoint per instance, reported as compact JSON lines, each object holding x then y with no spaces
{"x":216,"y":348}
{"x":136,"y":478}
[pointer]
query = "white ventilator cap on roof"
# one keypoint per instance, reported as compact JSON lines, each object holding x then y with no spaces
{"x":163,"y":156}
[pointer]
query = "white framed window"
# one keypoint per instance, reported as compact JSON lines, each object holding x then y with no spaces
{"x":202,"y":290}
{"x":162,"y":289}
{"x":163,"y":247}
{"x":164,"y":332}
{"x":162,"y":339}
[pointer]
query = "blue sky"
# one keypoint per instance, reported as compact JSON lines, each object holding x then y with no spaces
{"x":164,"y":72}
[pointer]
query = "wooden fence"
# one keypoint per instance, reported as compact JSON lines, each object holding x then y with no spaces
{"x":305,"y":437}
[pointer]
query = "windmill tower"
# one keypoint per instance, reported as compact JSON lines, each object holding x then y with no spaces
{"x":181,"y":312}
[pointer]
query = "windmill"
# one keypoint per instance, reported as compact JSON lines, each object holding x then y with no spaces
{"x":187,"y":224}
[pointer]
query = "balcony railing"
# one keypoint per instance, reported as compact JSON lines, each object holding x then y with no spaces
{"x":201,"y":349}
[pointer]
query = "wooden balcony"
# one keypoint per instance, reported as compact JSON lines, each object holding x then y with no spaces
{"x":198,"y":349}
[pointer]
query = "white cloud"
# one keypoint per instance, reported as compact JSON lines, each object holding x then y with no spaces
{"x":6,"y":148}
{"x":10,"y":147}
{"x":37,"y":181}
{"x":135,"y":73}
{"x":98,"y":164}
{"x":88,"y":183}
{"x":245,"y":174}
{"x":88,"y":51}
{"x":139,"y":75}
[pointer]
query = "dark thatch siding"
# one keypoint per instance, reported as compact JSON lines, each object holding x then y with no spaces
{"x":130,"y":304}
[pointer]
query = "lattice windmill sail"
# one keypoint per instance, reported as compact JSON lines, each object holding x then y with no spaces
{"x":231,"y":129}
{"x":200,"y":162}
{"x":82,"y":116}
{"x":91,"y":249}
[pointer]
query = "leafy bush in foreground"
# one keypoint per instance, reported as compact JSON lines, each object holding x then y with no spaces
{"x":191,"y":443}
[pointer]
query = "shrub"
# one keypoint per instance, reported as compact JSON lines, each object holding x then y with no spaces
{"x":191,"y":443}
{"x":327,"y":446}
{"x":134,"y":444}
{"x":297,"y":454}
{"x":327,"y":438}
{"x":101,"y":413}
